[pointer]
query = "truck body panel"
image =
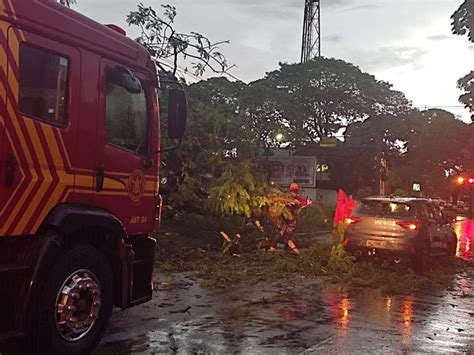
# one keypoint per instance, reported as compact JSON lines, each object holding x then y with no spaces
{"x":56,"y":159}
{"x":79,"y":158}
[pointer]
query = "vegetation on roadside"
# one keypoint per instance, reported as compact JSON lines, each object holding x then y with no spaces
{"x":197,"y":250}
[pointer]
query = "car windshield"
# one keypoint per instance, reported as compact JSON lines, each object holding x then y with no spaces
{"x":385,"y":208}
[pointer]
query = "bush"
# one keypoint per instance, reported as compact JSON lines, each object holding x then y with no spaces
{"x":312,"y":219}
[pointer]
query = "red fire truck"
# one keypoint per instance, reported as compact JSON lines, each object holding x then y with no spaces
{"x":79,"y":161}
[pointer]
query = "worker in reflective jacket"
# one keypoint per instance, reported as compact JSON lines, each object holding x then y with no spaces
{"x":289,"y":224}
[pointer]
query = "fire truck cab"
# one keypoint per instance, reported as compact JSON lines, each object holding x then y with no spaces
{"x":79,"y":164}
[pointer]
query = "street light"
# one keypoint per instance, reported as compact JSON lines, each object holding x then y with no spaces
{"x":279,"y":137}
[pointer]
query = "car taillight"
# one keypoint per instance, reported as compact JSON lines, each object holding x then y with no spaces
{"x":353,"y":220}
{"x":410,"y":225}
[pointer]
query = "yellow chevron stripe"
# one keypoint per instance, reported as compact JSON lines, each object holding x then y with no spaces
{"x":29,"y":160}
{"x":13,"y":8}
{"x":23,"y":176}
{"x":113,"y":193}
{"x":84,"y":181}
{"x":150,"y":186}
{"x":52,"y":145}
{"x":3,"y":91}
{"x":14,"y":45}
{"x":63,"y":146}
{"x":64,"y":179}
{"x":43,"y":188}
{"x":55,"y":197}
{"x":30,"y":209}
{"x":55,"y":152}
{"x":114,"y":184}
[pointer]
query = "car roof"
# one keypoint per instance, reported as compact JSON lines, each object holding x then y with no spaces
{"x":395,"y":199}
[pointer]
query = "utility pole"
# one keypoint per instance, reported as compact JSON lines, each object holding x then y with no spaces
{"x":381,"y":165}
{"x":311,"y":46}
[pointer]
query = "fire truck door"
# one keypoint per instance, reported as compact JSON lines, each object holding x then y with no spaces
{"x":126,"y":176}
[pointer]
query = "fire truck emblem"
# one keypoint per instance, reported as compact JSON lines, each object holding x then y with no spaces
{"x":136,"y":185}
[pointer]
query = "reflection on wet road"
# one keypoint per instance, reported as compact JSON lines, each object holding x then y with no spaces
{"x":465,"y":232}
{"x":308,"y":317}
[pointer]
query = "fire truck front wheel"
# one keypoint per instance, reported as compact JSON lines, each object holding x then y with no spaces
{"x":75,"y":303}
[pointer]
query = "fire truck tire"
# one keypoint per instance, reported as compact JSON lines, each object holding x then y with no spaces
{"x":75,"y":303}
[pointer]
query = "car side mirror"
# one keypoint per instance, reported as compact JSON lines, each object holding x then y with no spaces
{"x":124,"y":77}
{"x":177,"y":113}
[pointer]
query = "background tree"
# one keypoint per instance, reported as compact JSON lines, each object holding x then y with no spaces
{"x":466,"y":84}
{"x":167,"y":45}
{"x":438,"y":147}
{"x":325,"y":95}
{"x":356,"y":164}
{"x":428,"y":147}
{"x":463,"y":20}
{"x":256,"y":105}
{"x":214,"y":139}
{"x":463,"y":24}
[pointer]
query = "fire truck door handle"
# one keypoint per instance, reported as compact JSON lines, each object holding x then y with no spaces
{"x":99,"y":179}
{"x":10,"y":170}
{"x":147,"y":162}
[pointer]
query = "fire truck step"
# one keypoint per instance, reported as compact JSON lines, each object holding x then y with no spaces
{"x":141,"y":290}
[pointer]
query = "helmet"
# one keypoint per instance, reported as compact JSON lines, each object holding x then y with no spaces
{"x":294,"y":187}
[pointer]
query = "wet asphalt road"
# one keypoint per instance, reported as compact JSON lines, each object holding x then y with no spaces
{"x":309,"y":317}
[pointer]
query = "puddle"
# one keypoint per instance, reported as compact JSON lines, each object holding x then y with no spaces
{"x":465,"y":232}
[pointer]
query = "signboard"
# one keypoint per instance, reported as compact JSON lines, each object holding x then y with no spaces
{"x":285,"y":170}
{"x":328,"y":142}
{"x":416,"y":187}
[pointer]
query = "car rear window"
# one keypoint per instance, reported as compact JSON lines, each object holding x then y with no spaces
{"x":385,"y":208}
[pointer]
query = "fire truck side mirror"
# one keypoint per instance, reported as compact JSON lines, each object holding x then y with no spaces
{"x":177,"y":113}
{"x":124,"y":77}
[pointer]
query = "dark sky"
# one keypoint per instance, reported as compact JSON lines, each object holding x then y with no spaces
{"x":407,"y":42}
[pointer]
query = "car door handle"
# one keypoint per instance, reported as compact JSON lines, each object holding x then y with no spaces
{"x":10,"y":170}
{"x":99,"y":178}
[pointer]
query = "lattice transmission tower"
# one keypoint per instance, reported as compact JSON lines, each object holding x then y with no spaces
{"x":311,"y":47}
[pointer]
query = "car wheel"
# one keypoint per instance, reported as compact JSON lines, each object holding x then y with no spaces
{"x":75,"y":303}
{"x":421,"y":261}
